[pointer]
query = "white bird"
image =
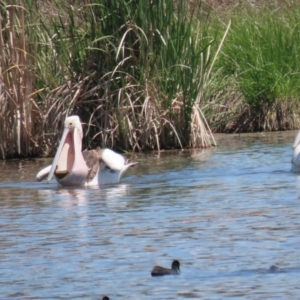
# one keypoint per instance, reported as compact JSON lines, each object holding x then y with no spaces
{"x":71,"y":167}
{"x":296,"y":154}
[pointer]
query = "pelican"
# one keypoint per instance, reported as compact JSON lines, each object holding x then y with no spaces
{"x":72,"y":167}
{"x":296,"y":154}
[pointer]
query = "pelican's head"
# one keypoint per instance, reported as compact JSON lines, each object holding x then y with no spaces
{"x":73,"y":123}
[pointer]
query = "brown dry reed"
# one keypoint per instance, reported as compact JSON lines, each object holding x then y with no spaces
{"x":18,"y":110}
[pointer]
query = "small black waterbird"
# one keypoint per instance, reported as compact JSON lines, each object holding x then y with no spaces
{"x":160,"y":271}
{"x":274,"y":269}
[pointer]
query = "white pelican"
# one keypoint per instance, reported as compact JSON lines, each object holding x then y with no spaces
{"x":296,"y":154}
{"x":71,"y":167}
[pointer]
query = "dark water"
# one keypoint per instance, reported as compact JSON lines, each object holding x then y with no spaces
{"x":227,"y":214}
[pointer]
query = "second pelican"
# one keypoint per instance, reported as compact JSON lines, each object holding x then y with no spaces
{"x":296,"y":154}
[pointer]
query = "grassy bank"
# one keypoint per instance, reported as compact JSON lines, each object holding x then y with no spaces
{"x":144,"y":75}
{"x":260,"y":61}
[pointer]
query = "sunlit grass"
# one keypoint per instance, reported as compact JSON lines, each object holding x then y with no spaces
{"x":133,"y":75}
{"x":144,"y":76}
{"x":262,"y":54}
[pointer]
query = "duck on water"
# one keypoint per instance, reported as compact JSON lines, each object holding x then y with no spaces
{"x":161,"y":271}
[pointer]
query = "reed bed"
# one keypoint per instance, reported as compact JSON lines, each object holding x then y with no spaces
{"x":139,"y":72}
{"x":19,"y":113}
{"x":260,"y":59}
{"x":145,"y":75}
{"x":136,"y":75}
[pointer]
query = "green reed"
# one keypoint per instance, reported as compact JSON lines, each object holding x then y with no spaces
{"x":144,"y":74}
{"x":261,"y":54}
{"x":135,"y":70}
{"x":139,"y":73}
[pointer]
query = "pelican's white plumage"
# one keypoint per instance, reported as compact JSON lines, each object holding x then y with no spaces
{"x":72,"y":167}
{"x":296,"y":154}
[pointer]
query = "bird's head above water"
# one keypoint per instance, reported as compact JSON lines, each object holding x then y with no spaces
{"x":176,"y":265}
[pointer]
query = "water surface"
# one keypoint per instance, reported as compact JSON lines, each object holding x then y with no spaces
{"x":227,"y":214}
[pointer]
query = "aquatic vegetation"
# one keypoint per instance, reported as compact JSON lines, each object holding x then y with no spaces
{"x":137,"y":76}
{"x":260,"y":57}
{"x":152,"y":75}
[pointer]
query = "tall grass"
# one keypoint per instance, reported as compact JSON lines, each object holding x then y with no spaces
{"x":262,"y":55}
{"x":134,"y":73}
{"x":144,"y":74}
